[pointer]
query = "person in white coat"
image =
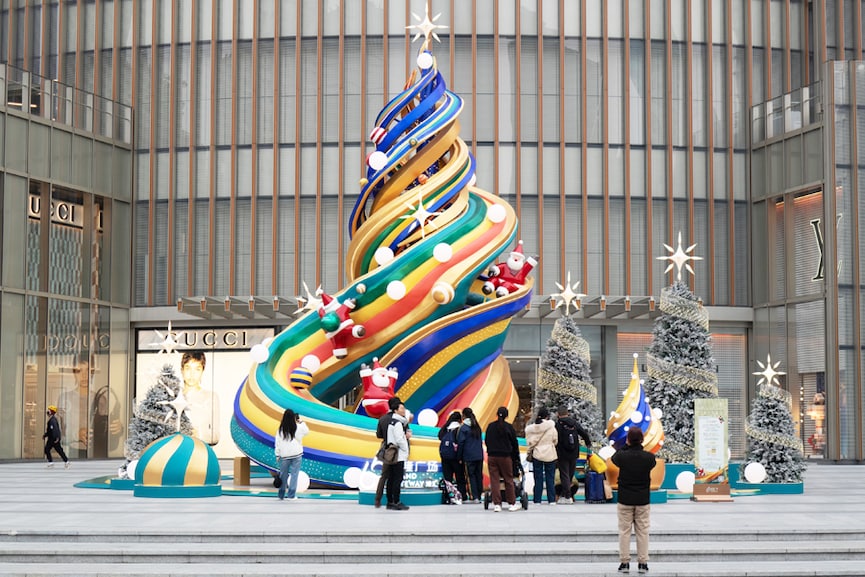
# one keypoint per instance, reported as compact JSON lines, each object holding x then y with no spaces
{"x":398,"y":434}
{"x":289,"y":451}
{"x":541,"y":438}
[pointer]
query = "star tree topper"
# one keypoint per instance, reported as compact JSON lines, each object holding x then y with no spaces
{"x":679,"y":258}
{"x":567,"y":296}
{"x":168,"y":342}
{"x":309,"y":302}
{"x":769,"y":375}
{"x":420,"y":214}
{"x":426,"y":27}
{"x":179,"y":404}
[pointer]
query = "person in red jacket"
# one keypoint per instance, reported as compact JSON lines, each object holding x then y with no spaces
{"x":635,"y":466}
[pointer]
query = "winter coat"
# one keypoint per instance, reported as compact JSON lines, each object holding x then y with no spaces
{"x":501,"y":439}
{"x":635,"y":466}
{"x":52,"y":430}
{"x":448,"y":445}
{"x":561,"y":449}
{"x":285,"y":448}
{"x":469,"y":447}
{"x":541,"y":438}
{"x":396,"y":435}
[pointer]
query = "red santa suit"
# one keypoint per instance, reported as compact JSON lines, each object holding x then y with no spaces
{"x":506,"y":277}
{"x":337,"y":324}
{"x":378,"y":386}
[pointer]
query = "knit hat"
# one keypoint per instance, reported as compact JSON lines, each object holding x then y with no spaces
{"x":52,"y":408}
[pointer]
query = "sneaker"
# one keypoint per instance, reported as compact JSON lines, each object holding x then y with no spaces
{"x":497,"y":509}
{"x":402,"y":506}
{"x":552,"y":502}
{"x":515,"y":507}
{"x":391,"y":507}
{"x":643,"y":567}
{"x":66,"y":465}
{"x":563,"y":501}
{"x":624,"y":567}
{"x":292,"y":498}
{"x":49,"y":466}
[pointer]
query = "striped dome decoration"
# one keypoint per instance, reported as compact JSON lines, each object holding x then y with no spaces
{"x":177,"y":466}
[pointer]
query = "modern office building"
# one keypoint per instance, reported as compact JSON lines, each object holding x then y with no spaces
{"x":221,"y":142}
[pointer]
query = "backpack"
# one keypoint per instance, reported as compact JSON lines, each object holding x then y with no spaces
{"x":568,"y":437}
{"x":448,"y":445}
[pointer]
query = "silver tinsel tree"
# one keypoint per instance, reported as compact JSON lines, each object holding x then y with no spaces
{"x":565,"y":377}
{"x":155,"y":417}
{"x":681,"y":368}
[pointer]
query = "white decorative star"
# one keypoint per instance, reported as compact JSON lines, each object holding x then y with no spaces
{"x":178,"y":403}
{"x":310,"y":302}
{"x":168,"y":342}
{"x":426,"y":27}
{"x":769,"y":375}
{"x":420,"y":214}
{"x":679,"y":258}
{"x":567,"y":296}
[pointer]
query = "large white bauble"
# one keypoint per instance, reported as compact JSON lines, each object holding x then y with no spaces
{"x":685,"y":481}
{"x":396,"y":290}
{"x":383,"y":255}
{"x":130,"y":469}
{"x":443,"y":252}
{"x":368,"y":481}
{"x":606,"y":452}
{"x":424,"y":60}
{"x":755,"y":472}
{"x":310,"y":363}
{"x":377,"y":160}
{"x":428,"y":418}
{"x":259,"y":353}
{"x":496,"y":213}
{"x":658,"y":413}
{"x":351,"y":477}
{"x":302,"y":482}
{"x":637,"y":417}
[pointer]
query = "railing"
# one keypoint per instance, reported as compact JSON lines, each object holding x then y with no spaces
{"x":786,"y":113}
{"x":31,"y":94}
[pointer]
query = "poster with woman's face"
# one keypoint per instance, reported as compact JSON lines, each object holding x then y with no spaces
{"x":210,"y":364}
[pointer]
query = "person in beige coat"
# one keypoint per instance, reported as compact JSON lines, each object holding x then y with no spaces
{"x":541,"y":439}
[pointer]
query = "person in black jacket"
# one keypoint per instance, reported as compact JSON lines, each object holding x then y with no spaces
{"x":502,"y":452}
{"x":635,"y":465}
{"x":52,"y":437}
{"x":393,"y":404}
{"x":568,"y":450}
{"x":470,"y":454}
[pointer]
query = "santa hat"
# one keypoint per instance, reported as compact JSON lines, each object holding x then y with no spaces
{"x":518,"y":252}
{"x":376,"y":366}
{"x":327,"y":302}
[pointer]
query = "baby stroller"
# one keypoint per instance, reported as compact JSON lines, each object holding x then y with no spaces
{"x":519,"y":488}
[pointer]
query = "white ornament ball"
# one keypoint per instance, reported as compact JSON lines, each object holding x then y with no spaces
{"x":130,"y":469}
{"x":442,"y":293}
{"x":637,"y":417}
{"x":427,"y":418}
{"x":361,"y":288}
{"x":685,"y":481}
{"x":755,"y":473}
{"x":383,"y":255}
{"x":606,"y":452}
{"x":657,"y":413}
{"x":368,"y":481}
{"x":424,"y":60}
{"x":443,"y":252}
{"x":310,"y":363}
{"x":496,"y":213}
{"x":302,"y":482}
{"x":396,"y":290}
{"x":259,"y":353}
{"x":377,"y":160}
{"x":351,"y":477}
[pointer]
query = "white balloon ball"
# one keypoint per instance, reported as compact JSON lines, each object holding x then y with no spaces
{"x":443,"y":252}
{"x":310,"y":363}
{"x":428,"y":418}
{"x":302,"y":482}
{"x":383,"y":255}
{"x":755,"y":472}
{"x":351,"y":477}
{"x":658,"y":413}
{"x":685,"y":481}
{"x":424,"y":60}
{"x":259,"y":353}
{"x":637,"y":417}
{"x":368,"y":481}
{"x":377,"y":160}
{"x":396,"y":290}
{"x":130,"y":469}
{"x":496,"y":213}
{"x":606,"y":452}
{"x":361,"y":288}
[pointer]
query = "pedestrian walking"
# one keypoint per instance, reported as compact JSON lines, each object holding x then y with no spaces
{"x":53,"y":437}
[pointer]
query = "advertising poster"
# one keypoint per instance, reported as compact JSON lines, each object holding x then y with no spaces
{"x":211,"y":364}
{"x":710,"y":439}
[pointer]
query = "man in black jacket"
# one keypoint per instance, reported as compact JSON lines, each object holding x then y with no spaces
{"x":568,"y":450}
{"x":635,"y":466}
{"x":393,"y":404}
{"x":52,"y":437}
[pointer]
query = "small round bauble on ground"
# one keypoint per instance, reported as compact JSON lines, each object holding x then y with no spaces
{"x":685,"y":481}
{"x":755,"y":473}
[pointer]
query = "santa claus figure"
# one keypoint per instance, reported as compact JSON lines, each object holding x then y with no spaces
{"x":378,"y":386}
{"x":506,"y":277}
{"x":337,"y":324}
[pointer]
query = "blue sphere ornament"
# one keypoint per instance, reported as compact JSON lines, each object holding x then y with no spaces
{"x":330,"y":322}
{"x":300,"y":378}
{"x":177,"y":466}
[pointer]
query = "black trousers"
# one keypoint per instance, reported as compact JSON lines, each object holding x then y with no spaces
{"x":567,"y":468}
{"x":57,"y":447}
{"x":395,"y":473}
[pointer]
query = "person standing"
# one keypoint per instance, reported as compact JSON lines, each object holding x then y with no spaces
{"x":502,"y":452}
{"x":568,"y":450}
{"x":470,"y":454}
{"x":541,"y":437}
{"x":635,"y":465}
{"x":288,"y":447}
{"x":52,"y":437}
{"x":398,"y":434}
{"x":393,"y":404}
{"x":452,"y":472}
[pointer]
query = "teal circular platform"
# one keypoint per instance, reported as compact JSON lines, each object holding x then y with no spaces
{"x":411,"y":497}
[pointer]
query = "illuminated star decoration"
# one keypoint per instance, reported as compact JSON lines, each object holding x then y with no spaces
{"x":567,"y":296}
{"x":168,"y":342}
{"x":769,"y":375}
{"x":179,"y":404}
{"x":426,"y":27}
{"x":420,"y":214}
{"x":679,"y":258}
{"x":310,"y":302}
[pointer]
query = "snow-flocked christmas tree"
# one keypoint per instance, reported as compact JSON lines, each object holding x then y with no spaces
{"x":565,"y":372}
{"x":680,"y":364}
{"x":157,"y":415}
{"x":771,"y":433}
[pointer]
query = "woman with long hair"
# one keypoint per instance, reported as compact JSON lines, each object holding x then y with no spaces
{"x":289,"y":451}
{"x":452,"y":472}
{"x":470,"y":455}
{"x":541,"y":439}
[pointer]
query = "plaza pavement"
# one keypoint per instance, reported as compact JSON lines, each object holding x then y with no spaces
{"x":40,"y":509}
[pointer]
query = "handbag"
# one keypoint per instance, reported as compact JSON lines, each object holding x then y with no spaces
{"x":529,"y":456}
{"x":388,"y":453}
{"x":597,"y":464}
